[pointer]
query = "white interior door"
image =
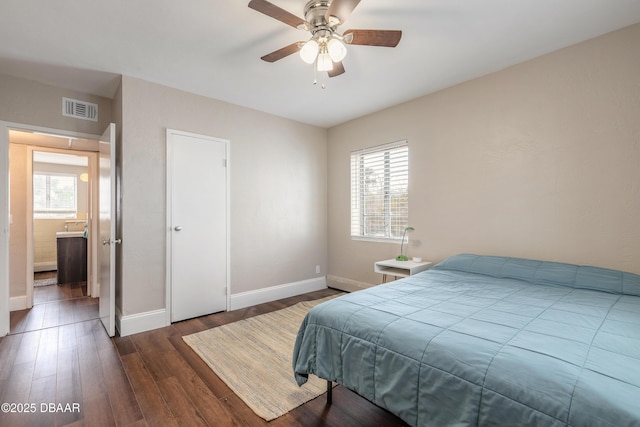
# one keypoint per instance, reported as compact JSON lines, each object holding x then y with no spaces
{"x":107,"y":229}
{"x":4,"y":229}
{"x":197,"y":243}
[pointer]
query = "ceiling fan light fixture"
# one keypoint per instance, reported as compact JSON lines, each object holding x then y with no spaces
{"x":337,"y":50}
{"x":309,"y":51}
{"x":327,"y":46}
{"x":324,"y":62}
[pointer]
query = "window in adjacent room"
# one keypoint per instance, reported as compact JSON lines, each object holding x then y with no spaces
{"x":380,"y":191}
{"x":54,"y":196}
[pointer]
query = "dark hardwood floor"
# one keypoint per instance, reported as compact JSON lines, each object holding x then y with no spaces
{"x":148,"y":379}
{"x":55,"y":305}
{"x":51,"y":293}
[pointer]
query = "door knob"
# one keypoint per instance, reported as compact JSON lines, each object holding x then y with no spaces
{"x":178,"y":228}
{"x":108,"y":242}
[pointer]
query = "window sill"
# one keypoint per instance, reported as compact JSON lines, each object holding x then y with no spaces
{"x":376,"y":239}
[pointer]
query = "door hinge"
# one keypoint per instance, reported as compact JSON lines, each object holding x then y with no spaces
{"x":224,"y":163}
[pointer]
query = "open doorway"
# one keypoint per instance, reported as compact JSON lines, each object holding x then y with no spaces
{"x":60,"y":209}
{"x":52,"y":244}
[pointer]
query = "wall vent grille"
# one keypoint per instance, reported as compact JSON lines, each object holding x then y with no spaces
{"x":79,"y":109}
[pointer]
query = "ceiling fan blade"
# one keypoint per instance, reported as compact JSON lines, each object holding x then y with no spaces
{"x":283,"y":52}
{"x":275,"y":12}
{"x":338,"y":69}
{"x":341,"y":9}
{"x":386,"y":38}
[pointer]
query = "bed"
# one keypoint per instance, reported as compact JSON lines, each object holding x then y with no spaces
{"x":485,"y":340}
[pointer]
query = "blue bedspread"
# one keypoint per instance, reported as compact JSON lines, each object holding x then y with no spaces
{"x":482,"y":340}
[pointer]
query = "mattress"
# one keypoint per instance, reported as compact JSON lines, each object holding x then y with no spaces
{"x":481,"y":340}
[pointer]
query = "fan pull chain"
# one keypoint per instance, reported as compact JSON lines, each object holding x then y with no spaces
{"x":315,"y":72}
{"x":315,"y":75}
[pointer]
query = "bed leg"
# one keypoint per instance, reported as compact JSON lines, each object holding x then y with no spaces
{"x":329,"y":392}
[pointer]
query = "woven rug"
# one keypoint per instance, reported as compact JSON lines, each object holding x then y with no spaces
{"x":45,"y":282}
{"x":253,"y":357}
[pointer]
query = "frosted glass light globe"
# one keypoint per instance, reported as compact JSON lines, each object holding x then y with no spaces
{"x":324,"y":62}
{"x":309,"y":51}
{"x":337,"y":50}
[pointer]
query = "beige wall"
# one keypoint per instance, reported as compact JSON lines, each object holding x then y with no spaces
{"x":278,"y":192}
{"x":31,"y":103}
{"x":45,"y":251}
{"x":27,"y":102}
{"x":278,"y":182}
{"x":540,"y":160}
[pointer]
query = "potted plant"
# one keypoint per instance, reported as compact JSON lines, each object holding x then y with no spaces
{"x":402,"y":256}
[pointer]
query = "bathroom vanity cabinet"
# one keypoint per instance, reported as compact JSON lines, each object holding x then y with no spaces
{"x":72,"y":258}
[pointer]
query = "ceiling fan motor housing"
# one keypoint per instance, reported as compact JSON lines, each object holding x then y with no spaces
{"x":315,"y":12}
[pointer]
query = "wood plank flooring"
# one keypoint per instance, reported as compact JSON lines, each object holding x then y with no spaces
{"x":55,"y":305}
{"x":147,"y":379}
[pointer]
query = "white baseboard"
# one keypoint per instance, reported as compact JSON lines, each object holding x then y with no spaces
{"x":247,"y":299}
{"x":45,"y":266}
{"x":18,"y":303}
{"x":140,"y":322}
{"x":348,"y":285}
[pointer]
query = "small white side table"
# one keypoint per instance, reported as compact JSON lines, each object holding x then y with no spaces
{"x":399,"y":268}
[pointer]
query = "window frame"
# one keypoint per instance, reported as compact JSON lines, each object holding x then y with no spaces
{"x":394,"y":174}
{"x":52,"y":213}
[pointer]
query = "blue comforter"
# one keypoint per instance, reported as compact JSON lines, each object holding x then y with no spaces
{"x":481,"y":340}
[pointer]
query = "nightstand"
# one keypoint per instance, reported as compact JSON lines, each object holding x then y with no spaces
{"x":400,"y":268}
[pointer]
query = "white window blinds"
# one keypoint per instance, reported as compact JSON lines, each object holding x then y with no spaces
{"x":380,"y":191}
{"x":54,"y":196}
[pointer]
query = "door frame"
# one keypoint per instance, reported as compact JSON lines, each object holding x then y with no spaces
{"x":168,"y":230}
{"x":92,"y":279}
{"x":107,"y":147}
{"x":5,"y":127}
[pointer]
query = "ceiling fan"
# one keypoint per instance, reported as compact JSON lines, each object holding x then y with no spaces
{"x":326,"y":47}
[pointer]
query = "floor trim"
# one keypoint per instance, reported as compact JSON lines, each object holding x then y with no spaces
{"x":142,"y":322}
{"x":259,"y":296}
{"x":347,"y":285}
{"x":18,"y":303}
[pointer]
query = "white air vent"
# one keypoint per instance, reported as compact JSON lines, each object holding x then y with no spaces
{"x":79,"y":109}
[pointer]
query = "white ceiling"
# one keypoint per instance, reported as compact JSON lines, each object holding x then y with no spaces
{"x":213,"y":47}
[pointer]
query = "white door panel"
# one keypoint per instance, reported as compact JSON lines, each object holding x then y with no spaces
{"x":197,"y":224}
{"x":107,"y":229}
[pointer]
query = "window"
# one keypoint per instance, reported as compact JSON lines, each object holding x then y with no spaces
{"x":380,"y":191}
{"x":54,"y":196}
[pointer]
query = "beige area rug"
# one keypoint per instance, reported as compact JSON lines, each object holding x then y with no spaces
{"x":254,"y":358}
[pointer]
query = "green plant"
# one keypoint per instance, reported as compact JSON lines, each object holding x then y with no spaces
{"x":402,"y":256}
